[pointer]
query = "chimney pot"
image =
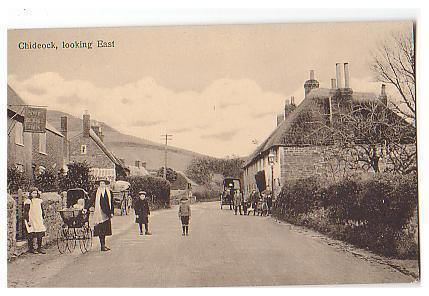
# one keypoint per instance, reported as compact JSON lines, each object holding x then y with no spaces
{"x":311,"y":74}
{"x":339,"y":76}
{"x":287,"y":102}
{"x":138,"y":163}
{"x":346,"y":76}
{"x":292,"y":100}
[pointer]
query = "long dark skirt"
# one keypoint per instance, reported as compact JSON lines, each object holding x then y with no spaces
{"x":103,"y":229}
{"x":142,"y":219}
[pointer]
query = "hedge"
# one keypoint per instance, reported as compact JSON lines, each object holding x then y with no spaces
{"x":369,"y":211}
{"x":155,"y":187}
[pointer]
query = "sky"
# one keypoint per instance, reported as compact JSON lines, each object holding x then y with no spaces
{"x":216,"y":89}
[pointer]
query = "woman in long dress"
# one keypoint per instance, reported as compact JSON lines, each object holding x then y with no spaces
{"x":102,"y":202}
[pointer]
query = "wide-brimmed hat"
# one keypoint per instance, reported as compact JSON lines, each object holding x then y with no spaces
{"x":102,"y":180}
{"x":184,"y":198}
{"x":142,"y":192}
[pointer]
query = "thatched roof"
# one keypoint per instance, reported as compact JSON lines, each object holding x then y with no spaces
{"x":277,"y":137}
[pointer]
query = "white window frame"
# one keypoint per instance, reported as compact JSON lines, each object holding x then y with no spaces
{"x":19,"y":133}
{"x":42,"y":143}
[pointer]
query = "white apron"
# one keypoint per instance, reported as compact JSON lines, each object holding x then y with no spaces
{"x":99,"y":215}
{"x":35,"y":216}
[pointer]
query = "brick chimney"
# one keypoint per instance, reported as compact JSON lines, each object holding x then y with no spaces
{"x":289,"y":106}
{"x":86,"y":124}
{"x":333,"y":83}
{"x":383,"y":95}
{"x":311,"y":83}
{"x":346,"y":76}
{"x":339,"y":76}
{"x":280,"y":118}
{"x":138,"y":163}
{"x":64,"y":131}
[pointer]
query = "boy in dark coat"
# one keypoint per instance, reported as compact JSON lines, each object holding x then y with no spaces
{"x":142,"y":211}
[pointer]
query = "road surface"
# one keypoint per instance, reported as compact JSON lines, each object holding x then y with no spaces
{"x":221,"y":250}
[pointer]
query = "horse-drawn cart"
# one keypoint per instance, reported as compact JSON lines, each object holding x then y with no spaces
{"x":121,"y":197}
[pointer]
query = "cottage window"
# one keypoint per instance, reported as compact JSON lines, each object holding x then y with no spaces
{"x":83,"y":149}
{"x":42,"y":143}
{"x":19,"y":133}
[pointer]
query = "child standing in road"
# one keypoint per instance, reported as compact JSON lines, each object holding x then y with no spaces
{"x":33,"y":218}
{"x":142,"y":211}
{"x":185,"y":214}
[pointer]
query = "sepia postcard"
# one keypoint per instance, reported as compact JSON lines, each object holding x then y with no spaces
{"x":212,"y":155}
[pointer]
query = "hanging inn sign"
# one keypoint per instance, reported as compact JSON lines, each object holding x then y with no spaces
{"x":35,"y":120}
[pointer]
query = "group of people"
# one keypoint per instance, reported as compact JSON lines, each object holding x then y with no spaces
{"x":102,"y":205}
{"x":259,"y":203}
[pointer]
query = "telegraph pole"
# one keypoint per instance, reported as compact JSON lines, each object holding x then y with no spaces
{"x":167,"y":138}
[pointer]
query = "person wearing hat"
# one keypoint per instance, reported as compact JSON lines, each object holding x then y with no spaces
{"x":184,"y":214}
{"x":142,"y":211}
{"x":102,"y":202}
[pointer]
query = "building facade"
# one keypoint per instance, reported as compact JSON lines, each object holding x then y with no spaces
{"x":299,"y":147}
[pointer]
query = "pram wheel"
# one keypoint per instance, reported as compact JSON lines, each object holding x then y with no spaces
{"x":85,"y":241}
{"x":62,"y":240}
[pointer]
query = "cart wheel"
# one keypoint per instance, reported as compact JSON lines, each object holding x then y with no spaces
{"x":71,"y":239}
{"x":62,"y":240}
{"x":85,"y":243}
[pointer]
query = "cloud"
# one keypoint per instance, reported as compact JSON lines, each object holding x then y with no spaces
{"x":223,"y":136}
{"x":143,"y":123}
{"x":220,"y":120}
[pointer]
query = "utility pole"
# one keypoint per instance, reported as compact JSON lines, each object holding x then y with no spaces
{"x":167,"y":137}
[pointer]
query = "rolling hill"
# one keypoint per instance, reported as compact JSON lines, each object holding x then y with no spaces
{"x":130,"y":148}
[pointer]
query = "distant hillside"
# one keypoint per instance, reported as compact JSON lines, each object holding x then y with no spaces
{"x":129,"y":147}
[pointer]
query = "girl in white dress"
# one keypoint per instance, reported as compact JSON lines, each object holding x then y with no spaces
{"x":33,"y":218}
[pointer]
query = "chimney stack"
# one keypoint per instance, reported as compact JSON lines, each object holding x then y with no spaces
{"x":292,"y":100}
{"x":346,"y":76}
{"x":339,"y":76}
{"x":86,"y":124}
{"x":289,"y":107}
{"x":333,"y":83}
{"x":280,"y":118}
{"x":311,"y":74}
{"x":138,"y":163}
{"x":64,"y":131}
{"x":383,"y":95}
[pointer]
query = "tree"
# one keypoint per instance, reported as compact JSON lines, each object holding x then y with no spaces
{"x":394,"y":64}
{"x":77,"y":177}
{"x":368,"y":132}
{"x":201,"y":170}
{"x":171,"y":174}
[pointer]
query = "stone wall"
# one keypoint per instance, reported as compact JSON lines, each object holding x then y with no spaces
{"x":52,"y":202}
{"x":302,"y":162}
{"x":11,"y":226}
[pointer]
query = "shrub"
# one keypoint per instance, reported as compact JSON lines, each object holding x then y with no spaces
{"x":204,"y":193}
{"x":155,"y":187}
{"x":368,"y":211}
{"x":17,"y":180}
{"x":77,"y":176}
{"x":47,"y":181}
